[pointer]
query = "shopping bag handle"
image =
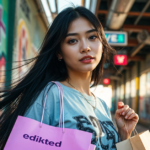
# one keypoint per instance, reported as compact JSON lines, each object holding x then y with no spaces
{"x":61,"y":120}
{"x":134,"y":131}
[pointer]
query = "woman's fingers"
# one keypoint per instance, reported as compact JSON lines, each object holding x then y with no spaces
{"x":134,"y":115}
{"x":121,"y":111}
{"x":129,"y":113}
{"x":125,"y":110}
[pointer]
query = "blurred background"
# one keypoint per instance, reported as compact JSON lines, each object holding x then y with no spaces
{"x":23,"y":25}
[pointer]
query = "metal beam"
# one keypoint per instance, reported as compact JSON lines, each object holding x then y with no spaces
{"x":123,"y":68}
{"x":115,"y":78}
{"x":53,"y":14}
{"x":137,"y":49}
{"x":138,"y":13}
{"x":135,"y":58}
{"x":97,"y":7}
{"x":132,"y":42}
{"x":120,"y":70}
{"x":135,"y":28}
{"x":144,"y":9}
{"x":140,"y":16}
{"x":145,"y":14}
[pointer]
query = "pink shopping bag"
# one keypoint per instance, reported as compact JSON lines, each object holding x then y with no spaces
{"x":29,"y":134}
{"x":92,"y":147}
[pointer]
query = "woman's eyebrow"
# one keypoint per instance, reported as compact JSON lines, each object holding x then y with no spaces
{"x":92,"y":30}
{"x":72,"y":34}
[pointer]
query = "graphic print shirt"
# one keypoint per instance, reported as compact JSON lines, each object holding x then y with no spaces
{"x":79,"y":114}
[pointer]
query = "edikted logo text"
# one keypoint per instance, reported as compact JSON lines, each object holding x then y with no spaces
{"x":41,"y":140}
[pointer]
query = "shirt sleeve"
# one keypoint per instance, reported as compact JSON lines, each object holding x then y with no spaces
{"x":52,"y":107}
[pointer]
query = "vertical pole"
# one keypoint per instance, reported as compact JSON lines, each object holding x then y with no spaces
{"x":137,"y":87}
{"x":130,"y":98}
{"x":10,"y":35}
{"x":116,"y":95}
{"x":124,"y":86}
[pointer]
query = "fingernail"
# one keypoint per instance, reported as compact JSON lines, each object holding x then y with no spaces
{"x":123,"y":113}
{"x":126,"y":117}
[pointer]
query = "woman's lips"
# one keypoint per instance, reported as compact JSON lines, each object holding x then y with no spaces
{"x":87,"y":60}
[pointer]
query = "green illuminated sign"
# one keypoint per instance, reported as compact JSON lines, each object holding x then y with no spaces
{"x":116,"y":38}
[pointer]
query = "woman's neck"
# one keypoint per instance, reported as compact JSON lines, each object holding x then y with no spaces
{"x":79,"y":81}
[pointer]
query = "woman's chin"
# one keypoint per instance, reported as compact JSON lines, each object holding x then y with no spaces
{"x":87,"y":69}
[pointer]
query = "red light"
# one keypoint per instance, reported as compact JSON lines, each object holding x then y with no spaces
{"x":120,"y":60}
{"x":106,"y":81}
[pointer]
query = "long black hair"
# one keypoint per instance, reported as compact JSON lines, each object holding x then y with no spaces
{"x":45,"y":68}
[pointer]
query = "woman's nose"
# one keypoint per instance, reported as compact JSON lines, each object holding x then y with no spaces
{"x":85,"y":47}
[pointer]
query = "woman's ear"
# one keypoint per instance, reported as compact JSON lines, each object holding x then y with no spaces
{"x":59,"y":56}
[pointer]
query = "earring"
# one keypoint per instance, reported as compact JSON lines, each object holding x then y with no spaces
{"x":59,"y":59}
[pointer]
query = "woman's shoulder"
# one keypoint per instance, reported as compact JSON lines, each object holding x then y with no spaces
{"x":105,"y":106}
{"x":49,"y":93}
{"x":51,"y":88}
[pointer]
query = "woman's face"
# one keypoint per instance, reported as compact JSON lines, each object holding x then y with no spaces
{"x":81,"y":49}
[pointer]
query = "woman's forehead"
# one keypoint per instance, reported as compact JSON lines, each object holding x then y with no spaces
{"x":80,"y":25}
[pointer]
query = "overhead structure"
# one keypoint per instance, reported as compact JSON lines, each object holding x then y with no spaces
{"x":132,"y":17}
{"x":49,"y":9}
{"x":117,"y":13}
{"x":144,"y":39}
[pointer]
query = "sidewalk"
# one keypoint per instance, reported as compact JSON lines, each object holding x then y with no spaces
{"x":140,"y":128}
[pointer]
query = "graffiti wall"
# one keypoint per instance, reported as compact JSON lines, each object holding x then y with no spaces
{"x":30,"y":32}
{"x":3,"y":39}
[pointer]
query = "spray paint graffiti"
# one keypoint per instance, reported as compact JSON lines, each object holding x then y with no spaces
{"x":2,"y":47}
{"x":24,"y":47}
{"x":2,"y":26}
{"x":25,"y":8}
{"x":2,"y":70}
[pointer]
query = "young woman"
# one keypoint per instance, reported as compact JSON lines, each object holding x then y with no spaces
{"x":73,"y":54}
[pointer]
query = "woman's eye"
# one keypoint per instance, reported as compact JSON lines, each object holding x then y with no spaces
{"x":72,"y":41}
{"x":92,"y":37}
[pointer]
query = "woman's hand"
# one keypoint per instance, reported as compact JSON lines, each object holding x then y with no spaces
{"x":126,"y":120}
